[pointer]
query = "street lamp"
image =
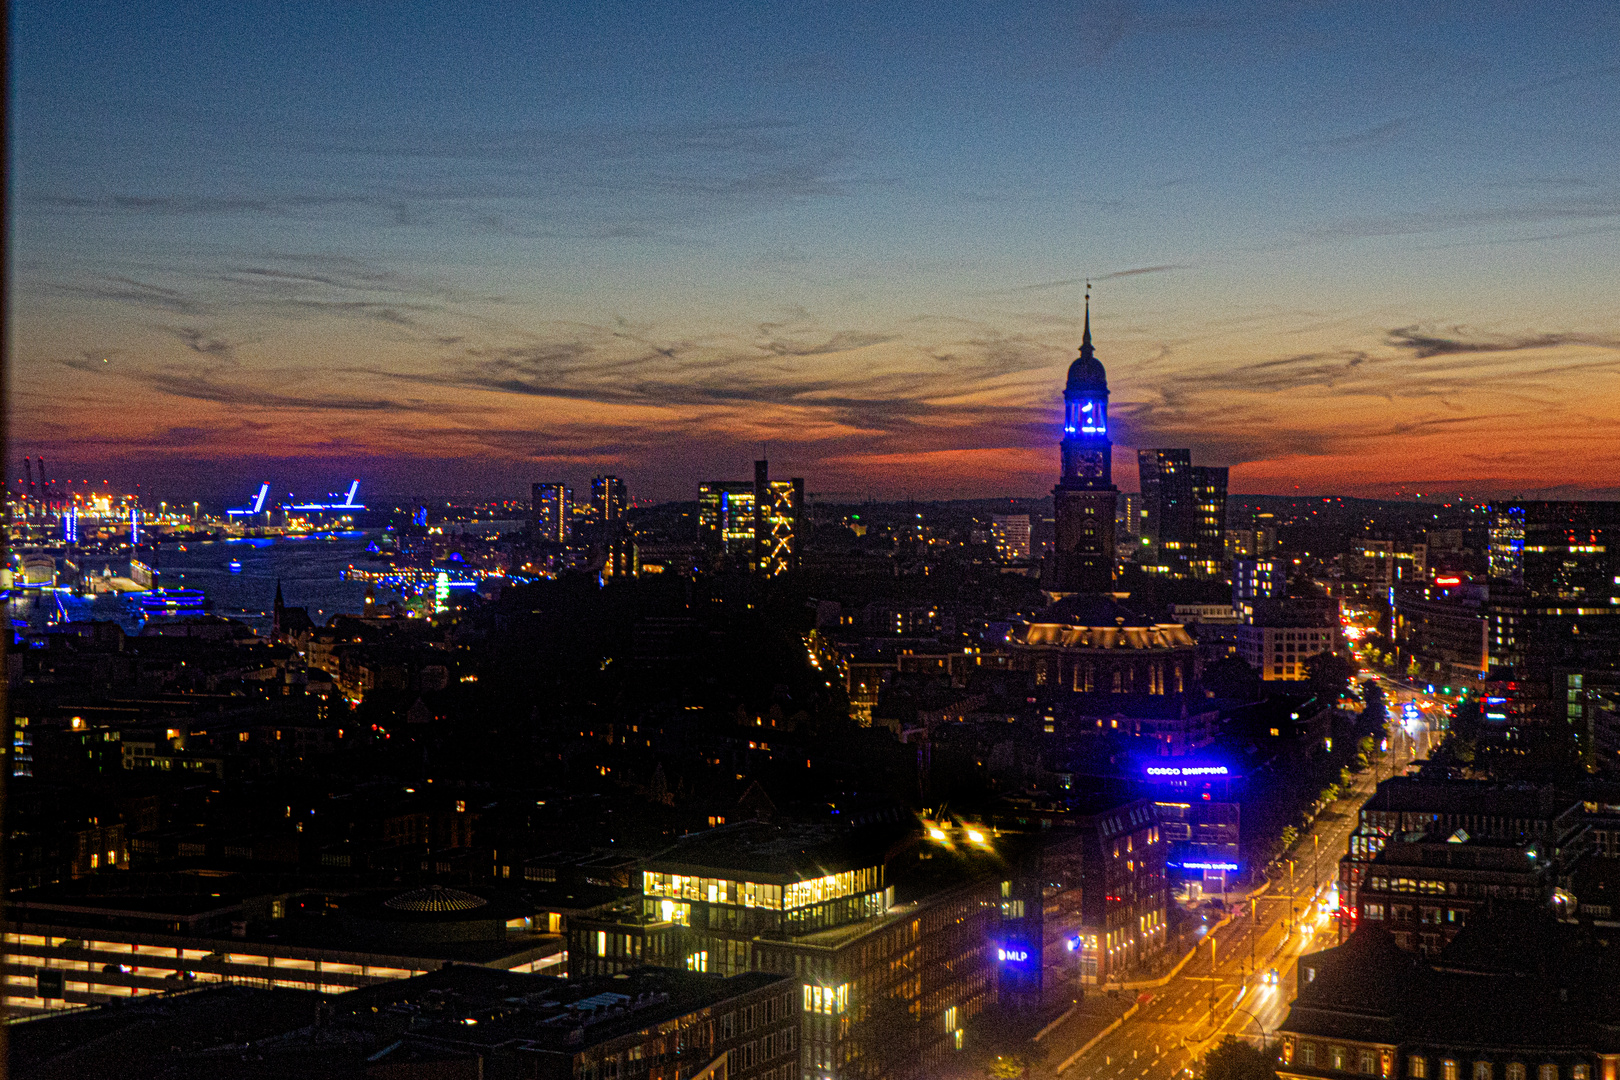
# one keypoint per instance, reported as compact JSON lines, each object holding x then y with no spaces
{"x":1256,"y":1019}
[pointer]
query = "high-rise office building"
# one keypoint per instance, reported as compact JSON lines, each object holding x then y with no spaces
{"x":1169,"y":519}
{"x":552,"y":511}
{"x":726,"y":516}
{"x":1183,"y":514}
{"x":1209,"y":532}
{"x":1010,"y":534}
{"x":607,"y":500}
{"x":1084,"y":500}
{"x":1553,"y":609}
{"x":777,"y":504}
{"x":1565,"y":550}
{"x":886,"y":989}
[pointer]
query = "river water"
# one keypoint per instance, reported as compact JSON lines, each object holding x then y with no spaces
{"x":309,"y":569}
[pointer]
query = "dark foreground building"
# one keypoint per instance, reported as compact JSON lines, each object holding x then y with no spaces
{"x":461,"y":1022}
{"x":1519,"y":997}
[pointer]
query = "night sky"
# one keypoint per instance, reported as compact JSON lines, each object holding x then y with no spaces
{"x":1357,"y":248}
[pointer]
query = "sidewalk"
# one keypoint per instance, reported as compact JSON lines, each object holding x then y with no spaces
{"x":1082,"y":1026}
{"x":1149,"y":984}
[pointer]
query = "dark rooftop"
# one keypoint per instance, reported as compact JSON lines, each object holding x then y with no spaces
{"x":1482,"y":991}
{"x":459,"y":1013}
{"x":779,"y":853}
{"x":1414,"y":794}
{"x":482,"y":1006}
{"x":1092,"y":609}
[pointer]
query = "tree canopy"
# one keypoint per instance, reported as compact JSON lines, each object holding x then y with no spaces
{"x":1235,"y":1059}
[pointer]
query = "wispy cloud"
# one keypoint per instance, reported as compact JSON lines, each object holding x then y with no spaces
{"x":200,"y":341}
{"x":630,"y":181}
{"x":1601,"y":207}
{"x":125,"y":290}
{"x":1424,"y":344}
{"x":1163,"y":269}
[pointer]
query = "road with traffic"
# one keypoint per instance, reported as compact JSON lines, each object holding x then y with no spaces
{"x":1228,"y":986}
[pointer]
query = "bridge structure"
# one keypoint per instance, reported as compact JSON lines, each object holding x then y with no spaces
{"x":334,"y":505}
{"x":254,"y":507}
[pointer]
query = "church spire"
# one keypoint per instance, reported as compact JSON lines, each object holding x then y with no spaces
{"x":1085,"y":340}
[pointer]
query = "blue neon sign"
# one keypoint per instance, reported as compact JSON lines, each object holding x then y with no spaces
{"x":1188,"y":770}
{"x":1012,"y":956}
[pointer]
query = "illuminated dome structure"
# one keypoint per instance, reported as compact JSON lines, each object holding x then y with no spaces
{"x":432,"y":915}
{"x":1090,"y":643}
{"x":435,"y":898}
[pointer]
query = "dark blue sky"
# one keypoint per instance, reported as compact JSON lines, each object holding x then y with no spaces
{"x":1335,"y":244}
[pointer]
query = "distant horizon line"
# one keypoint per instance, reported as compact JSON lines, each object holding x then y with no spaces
{"x":392,"y":503}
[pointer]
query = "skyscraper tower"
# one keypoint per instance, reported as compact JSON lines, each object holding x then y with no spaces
{"x":777,"y":506}
{"x":1184,"y":519}
{"x":608,"y":500}
{"x":1083,"y":501}
{"x":552,"y":511}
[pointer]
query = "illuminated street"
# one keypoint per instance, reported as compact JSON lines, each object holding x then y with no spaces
{"x":1176,"y":1023}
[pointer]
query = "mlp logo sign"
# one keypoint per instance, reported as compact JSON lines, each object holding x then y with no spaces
{"x":1012,"y":954}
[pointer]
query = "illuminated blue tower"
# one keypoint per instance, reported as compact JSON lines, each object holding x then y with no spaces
{"x":1083,"y":500}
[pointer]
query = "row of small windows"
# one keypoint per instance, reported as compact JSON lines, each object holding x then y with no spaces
{"x":1477,"y":890}
{"x":1380,"y":1063}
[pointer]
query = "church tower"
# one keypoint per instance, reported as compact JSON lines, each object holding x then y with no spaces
{"x":1084,"y":499}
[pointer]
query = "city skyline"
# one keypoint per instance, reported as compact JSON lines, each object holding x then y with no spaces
{"x":1340,"y":249}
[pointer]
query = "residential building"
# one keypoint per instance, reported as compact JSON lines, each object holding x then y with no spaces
{"x":1258,"y":578}
{"x":552,"y":511}
{"x":1183,"y":514}
{"x":608,"y":501}
{"x":1251,"y":543}
{"x":1170,"y":515}
{"x":1128,"y":525}
{"x":1010,"y":535}
{"x":1209,"y":521}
